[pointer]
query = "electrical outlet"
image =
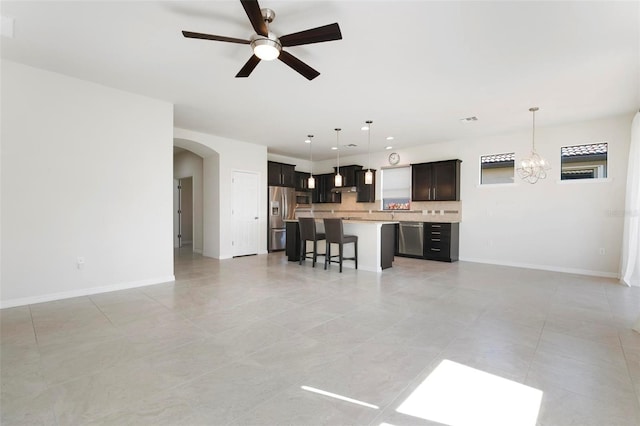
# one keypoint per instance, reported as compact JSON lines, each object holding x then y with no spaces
{"x":80,"y":262}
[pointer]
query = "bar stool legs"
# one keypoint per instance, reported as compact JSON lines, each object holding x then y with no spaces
{"x":335,"y":235}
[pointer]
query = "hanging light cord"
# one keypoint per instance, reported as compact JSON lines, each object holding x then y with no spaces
{"x":310,"y":155}
{"x":369,"y":123}
{"x":533,"y":133}
{"x":338,"y":148}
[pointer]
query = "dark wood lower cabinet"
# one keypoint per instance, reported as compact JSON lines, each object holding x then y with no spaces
{"x":292,"y":246}
{"x":441,"y":241}
{"x":387,"y":241}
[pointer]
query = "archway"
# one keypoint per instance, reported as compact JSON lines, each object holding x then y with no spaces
{"x":206,"y":197}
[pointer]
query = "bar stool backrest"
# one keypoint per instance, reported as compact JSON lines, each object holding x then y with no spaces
{"x":334,"y":231}
{"x":307,"y":228}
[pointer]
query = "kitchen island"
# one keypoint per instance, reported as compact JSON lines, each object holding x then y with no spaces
{"x":376,"y":243}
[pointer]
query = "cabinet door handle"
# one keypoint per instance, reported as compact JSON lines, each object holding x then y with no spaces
{"x":436,"y":226}
{"x":429,"y":197}
{"x":435,"y":232}
{"x":435,"y":249}
{"x":435,"y":239}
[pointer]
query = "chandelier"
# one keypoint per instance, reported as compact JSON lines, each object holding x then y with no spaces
{"x":534,"y":167}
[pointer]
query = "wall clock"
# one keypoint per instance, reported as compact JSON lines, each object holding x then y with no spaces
{"x":394,"y":158}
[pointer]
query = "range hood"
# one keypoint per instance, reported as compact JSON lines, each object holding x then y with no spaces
{"x":345,"y":189}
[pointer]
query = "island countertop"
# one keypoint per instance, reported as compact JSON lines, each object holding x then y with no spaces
{"x":371,"y":221}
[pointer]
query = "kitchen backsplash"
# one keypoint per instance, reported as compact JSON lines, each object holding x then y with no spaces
{"x":420,"y":211}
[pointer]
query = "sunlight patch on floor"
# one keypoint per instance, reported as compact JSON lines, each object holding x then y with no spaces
{"x":457,"y":395}
{"x":340,"y":397}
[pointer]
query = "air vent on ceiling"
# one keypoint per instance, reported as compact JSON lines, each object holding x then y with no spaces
{"x":469,"y":119}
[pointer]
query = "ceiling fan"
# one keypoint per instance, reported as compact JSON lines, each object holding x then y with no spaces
{"x":267,"y":46}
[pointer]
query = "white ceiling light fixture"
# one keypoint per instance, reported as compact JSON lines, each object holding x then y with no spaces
{"x":368,"y":175}
{"x":311,"y":182}
{"x":337,"y":180}
{"x":266,"y":48}
{"x":534,"y":167}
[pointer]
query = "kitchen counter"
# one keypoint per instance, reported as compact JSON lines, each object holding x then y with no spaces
{"x":376,"y":243}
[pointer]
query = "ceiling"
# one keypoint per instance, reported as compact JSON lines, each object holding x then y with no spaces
{"x":413,"y":67}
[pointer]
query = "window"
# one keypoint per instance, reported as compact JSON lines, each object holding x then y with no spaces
{"x":497,"y":168}
{"x":396,"y":188}
{"x":584,"y":161}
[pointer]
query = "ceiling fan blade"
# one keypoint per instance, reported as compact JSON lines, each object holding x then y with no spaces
{"x":202,"y":36}
{"x":295,"y":63}
{"x":252,"y":8}
{"x":248,"y":67}
{"x":315,"y":35}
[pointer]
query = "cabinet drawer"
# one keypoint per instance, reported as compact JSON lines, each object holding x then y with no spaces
{"x":438,"y":245}
{"x":443,"y":234}
{"x":437,"y":230}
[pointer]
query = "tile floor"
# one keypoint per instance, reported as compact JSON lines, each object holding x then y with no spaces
{"x":233,"y":341}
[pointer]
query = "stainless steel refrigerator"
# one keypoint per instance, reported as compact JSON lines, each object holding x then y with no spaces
{"x":282,"y":206}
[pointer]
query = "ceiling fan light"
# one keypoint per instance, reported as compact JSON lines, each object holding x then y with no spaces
{"x":266,"y":49}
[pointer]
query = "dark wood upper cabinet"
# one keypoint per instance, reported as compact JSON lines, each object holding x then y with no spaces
{"x":349,"y":174}
{"x":436,"y":181}
{"x":366,"y":193}
{"x":280,"y":174}
{"x":302,"y":181}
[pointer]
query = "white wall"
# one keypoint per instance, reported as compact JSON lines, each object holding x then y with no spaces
{"x":301,"y":165}
{"x":223,"y":156}
{"x":551,"y":225}
{"x":186,"y":164}
{"x":86,"y":172}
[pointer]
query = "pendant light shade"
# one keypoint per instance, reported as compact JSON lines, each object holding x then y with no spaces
{"x":534,"y":167}
{"x":311,"y":182}
{"x":337,"y":180}
{"x":368,"y":175}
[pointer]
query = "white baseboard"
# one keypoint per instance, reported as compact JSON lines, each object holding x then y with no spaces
{"x":83,"y":292}
{"x":544,"y":267}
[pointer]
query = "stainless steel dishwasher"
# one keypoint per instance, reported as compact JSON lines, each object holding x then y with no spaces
{"x":411,"y":239}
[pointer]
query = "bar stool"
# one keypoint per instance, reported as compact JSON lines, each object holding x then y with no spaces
{"x":335,"y":234}
{"x":308,"y":233}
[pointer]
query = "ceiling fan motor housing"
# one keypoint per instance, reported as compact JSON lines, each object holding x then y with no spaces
{"x":268,"y":15}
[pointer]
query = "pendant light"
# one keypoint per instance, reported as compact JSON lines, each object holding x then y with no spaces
{"x":368,"y":175}
{"x":311,"y":183}
{"x":534,"y":167}
{"x":337,"y":180}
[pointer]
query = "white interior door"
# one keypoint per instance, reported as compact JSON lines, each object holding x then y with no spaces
{"x":246,"y":215}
